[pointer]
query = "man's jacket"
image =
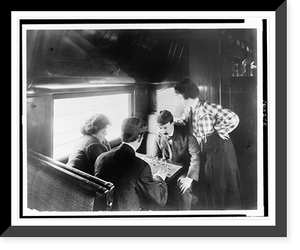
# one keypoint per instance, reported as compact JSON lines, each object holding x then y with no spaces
{"x":135,"y":187}
{"x":185,"y":150}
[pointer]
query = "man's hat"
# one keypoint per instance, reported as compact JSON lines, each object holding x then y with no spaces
{"x":164,"y":117}
{"x":134,"y":126}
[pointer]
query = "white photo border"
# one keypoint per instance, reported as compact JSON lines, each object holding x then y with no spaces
{"x":106,"y":224}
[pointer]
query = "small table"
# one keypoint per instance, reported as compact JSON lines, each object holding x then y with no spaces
{"x":155,"y":163}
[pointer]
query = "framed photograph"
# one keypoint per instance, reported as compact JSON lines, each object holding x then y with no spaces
{"x":67,"y":66}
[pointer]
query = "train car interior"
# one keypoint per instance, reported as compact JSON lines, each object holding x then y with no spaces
{"x":75,"y":73}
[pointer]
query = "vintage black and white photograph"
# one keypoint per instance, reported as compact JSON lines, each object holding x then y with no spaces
{"x":146,"y":121}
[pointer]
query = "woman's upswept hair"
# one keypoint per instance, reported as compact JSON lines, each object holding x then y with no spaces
{"x":94,"y":124}
{"x":187,"y":89}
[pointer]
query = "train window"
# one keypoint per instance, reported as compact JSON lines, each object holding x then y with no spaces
{"x":70,"y":113}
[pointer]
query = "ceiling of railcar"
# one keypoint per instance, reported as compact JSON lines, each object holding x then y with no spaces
{"x":142,"y":55}
{"x":115,"y":55}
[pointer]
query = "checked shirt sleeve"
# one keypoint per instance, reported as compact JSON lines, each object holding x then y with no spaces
{"x":226,"y":120}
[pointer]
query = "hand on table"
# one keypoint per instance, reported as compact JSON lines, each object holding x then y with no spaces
{"x":162,"y":172}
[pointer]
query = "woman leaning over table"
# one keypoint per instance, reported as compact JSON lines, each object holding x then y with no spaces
{"x":211,"y":124}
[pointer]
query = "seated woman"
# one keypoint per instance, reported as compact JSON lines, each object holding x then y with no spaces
{"x":93,"y":143}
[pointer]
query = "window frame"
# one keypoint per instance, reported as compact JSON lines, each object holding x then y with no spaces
{"x":91,"y":93}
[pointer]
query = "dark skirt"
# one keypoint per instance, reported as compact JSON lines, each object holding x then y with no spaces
{"x":219,"y":186}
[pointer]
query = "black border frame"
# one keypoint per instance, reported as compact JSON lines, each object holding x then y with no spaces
{"x":279,"y":230}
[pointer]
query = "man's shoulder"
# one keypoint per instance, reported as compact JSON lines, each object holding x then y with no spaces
{"x":139,"y":165}
{"x":140,"y":161}
{"x":108,"y":155}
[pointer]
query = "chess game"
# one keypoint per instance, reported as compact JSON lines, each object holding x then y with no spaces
{"x":156,"y":163}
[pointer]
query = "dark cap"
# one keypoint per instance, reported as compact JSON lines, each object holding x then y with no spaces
{"x":134,"y":126}
{"x":164,"y":117}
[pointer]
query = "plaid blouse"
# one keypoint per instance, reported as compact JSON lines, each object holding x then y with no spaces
{"x":209,"y":117}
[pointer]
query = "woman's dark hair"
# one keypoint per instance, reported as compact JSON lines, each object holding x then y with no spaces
{"x":187,"y":89}
{"x":94,"y":124}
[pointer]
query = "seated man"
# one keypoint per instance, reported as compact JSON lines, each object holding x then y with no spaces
{"x":135,"y":187}
{"x":176,"y":143}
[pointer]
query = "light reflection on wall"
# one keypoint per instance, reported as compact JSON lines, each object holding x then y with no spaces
{"x":167,"y":99}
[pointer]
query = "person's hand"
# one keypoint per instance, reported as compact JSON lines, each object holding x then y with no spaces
{"x":162,"y":171}
{"x":224,"y":137}
{"x":180,"y":122}
{"x":184,"y":183}
{"x":159,"y":132}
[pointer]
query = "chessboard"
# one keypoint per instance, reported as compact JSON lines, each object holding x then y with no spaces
{"x":156,"y":163}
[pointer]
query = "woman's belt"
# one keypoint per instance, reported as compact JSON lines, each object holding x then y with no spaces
{"x":203,"y":139}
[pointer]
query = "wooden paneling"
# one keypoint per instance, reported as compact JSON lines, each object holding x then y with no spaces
{"x":205,"y":66}
{"x":244,"y":137}
{"x":39,"y":124}
{"x":144,"y":104}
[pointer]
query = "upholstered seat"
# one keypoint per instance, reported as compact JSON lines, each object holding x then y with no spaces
{"x":54,"y":186}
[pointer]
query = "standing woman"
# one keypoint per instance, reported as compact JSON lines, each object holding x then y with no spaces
{"x":211,"y":124}
{"x":91,"y":144}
